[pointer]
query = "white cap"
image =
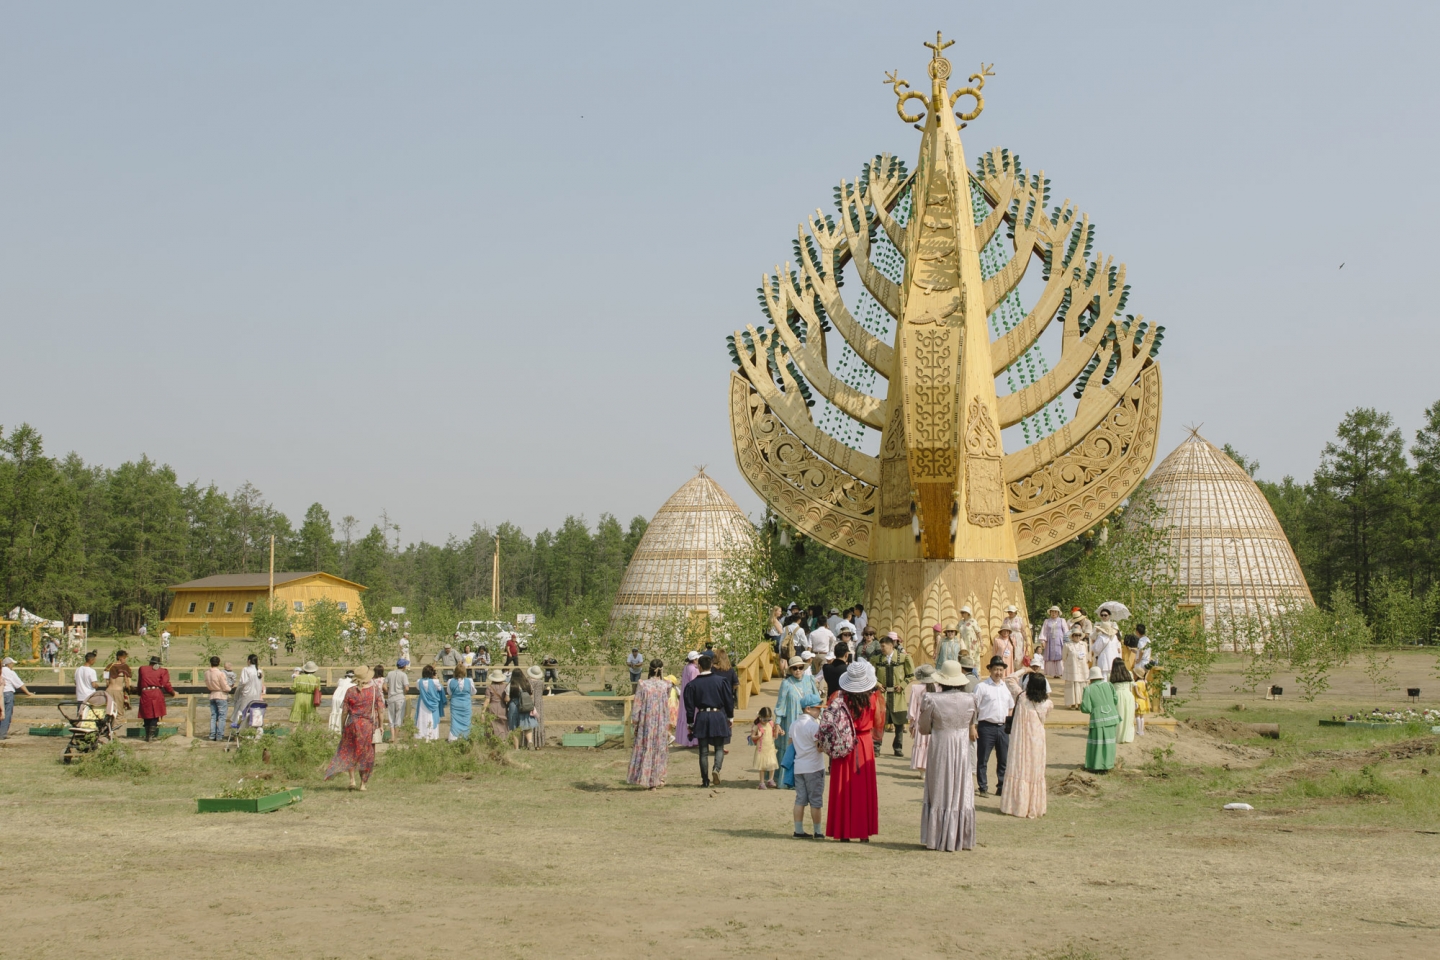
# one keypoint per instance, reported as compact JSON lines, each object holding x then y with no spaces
{"x":692,"y":656}
{"x":807,"y":656}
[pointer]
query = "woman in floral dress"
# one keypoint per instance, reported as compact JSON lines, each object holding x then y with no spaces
{"x":653,"y":722}
{"x":357,"y":737}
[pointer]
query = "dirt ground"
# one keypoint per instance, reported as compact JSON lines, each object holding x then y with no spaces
{"x":552,"y":854}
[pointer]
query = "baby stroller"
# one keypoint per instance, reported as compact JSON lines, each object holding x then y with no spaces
{"x":90,"y":724}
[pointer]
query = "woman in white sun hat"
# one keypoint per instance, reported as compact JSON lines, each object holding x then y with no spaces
{"x":854,"y":807}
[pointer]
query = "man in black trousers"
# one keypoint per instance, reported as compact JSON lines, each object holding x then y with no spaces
{"x":709,"y":705}
{"x":995,"y":702}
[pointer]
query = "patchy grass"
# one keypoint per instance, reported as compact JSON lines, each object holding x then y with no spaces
{"x":112,"y":760}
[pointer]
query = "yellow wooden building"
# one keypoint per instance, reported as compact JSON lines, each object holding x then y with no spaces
{"x":227,"y":601}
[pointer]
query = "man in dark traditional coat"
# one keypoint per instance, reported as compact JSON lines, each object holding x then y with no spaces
{"x":893,"y":671}
{"x":709,"y":705}
{"x":154,"y":685}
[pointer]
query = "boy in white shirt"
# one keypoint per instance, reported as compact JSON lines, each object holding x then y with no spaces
{"x":809,"y":767}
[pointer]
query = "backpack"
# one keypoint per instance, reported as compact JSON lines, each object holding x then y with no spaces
{"x":526,"y":702}
{"x":836,"y":737}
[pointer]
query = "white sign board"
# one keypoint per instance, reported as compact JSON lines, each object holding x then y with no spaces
{"x":397,"y":609}
{"x":80,"y":618}
{"x":525,"y":618}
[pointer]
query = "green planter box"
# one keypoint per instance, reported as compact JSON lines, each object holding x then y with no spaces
{"x":138,"y":733}
{"x":49,"y":731}
{"x":583,"y":739}
{"x":612,"y":729}
{"x":251,"y":805}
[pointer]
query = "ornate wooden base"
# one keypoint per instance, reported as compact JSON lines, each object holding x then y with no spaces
{"x":911,"y":596}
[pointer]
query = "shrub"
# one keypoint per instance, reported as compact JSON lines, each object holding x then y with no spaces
{"x":113,"y":759}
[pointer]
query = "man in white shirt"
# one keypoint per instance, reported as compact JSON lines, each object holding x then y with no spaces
{"x":861,"y":619}
{"x":822,"y":641}
{"x":85,"y":680}
{"x":834,"y":622}
{"x":994,"y":702}
{"x":809,"y":767}
{"x":11,"y":684}
{"x":165,"y":646}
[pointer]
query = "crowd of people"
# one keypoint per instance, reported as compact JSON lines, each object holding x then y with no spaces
{"x":841,"y":695}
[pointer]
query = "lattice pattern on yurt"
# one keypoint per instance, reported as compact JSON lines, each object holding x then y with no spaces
{"x":677,"y":560}
{"x":1231,"y":554}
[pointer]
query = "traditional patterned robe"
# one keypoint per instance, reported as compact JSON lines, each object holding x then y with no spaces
{"x":650,"y":717}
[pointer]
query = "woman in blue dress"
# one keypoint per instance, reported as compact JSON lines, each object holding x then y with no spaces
{"x":461,"y":690}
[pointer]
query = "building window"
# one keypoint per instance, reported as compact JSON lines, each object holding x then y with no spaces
{"x":343,"y":607}
{"x":299,"y":606}
{"x":249,"y":606}
{"x":229,"y":606}
{"x":192,"y":607}
{"x":210,"y":607}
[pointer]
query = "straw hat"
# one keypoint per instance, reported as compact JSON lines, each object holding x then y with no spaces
{"x":847,"y":627}
{"x":309,"y":667}
{"x":1012,"y":609}
{"x":1053,"y":610}
{"x":1095,"y":674}
{"x":794,"y":662}
{"x":496,"y":676}
{"x":858,"y":678}
{"x":534,"y":672}
{"x":966,"y":609}
{"x":925,"y":673}
{"x":950,"y":675}
{"x":363,"y":673}
{"x":1077,"y":631}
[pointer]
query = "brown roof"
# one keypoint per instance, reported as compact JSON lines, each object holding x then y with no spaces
{"x":230,"y":581}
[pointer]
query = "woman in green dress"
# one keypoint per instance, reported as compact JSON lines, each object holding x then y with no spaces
{"x":1124,"y":683}
{"x":1103,"y":706}
{"x":305,"y":684}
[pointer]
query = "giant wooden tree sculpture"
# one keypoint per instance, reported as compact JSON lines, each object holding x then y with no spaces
{"x":944,"y":514}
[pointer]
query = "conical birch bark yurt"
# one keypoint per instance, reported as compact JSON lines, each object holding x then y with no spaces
{"x":1232,"y":557}
{"x":678,"y":560}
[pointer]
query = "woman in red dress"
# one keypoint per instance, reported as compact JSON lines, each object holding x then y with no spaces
{"x":357,"y":738}
{"x":154,"y":685}
{"x":854,"y":812}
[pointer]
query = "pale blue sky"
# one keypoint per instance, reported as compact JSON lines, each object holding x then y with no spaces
{"x":477,"y":262}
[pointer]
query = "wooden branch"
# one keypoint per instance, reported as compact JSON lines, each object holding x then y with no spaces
{"x":874,"y":351}
{"x":1095,"y":404}
{"x":881,"y":192}
{"x":871,"y":411}
{"x":881,"y":287}
{"x":1075,"y":350}
{"x":1027,"y":227}
{"x":789,"y":406}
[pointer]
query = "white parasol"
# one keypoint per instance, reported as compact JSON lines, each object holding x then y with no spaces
{"x":1118,"y":610}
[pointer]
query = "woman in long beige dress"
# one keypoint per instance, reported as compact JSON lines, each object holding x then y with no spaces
{"x":1024,"y":794}
{"x":495,"y":691}
{"x":947,"y":814}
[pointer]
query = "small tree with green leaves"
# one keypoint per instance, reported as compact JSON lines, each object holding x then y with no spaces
{"x":1324,"y":640}
{"x":320,"y":631}
{"x":269,"y":620}
{"x":210,"y":644}
{"x":744,"y":588}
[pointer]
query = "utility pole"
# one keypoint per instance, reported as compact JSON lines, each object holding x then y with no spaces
{"x":495,"y":579}
{"x":272,"y":571}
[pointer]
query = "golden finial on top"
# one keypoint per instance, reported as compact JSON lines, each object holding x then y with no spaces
{"x":939,"y":66}
{"x":939,"y":69}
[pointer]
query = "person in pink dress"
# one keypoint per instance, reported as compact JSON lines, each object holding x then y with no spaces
{"x":682,"y":728}
{"x":1004,"y":647}
{"x":1024,"y":794}
{"x":919,"y":687}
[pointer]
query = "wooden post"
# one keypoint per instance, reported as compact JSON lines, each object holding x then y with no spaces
{"x":629,"y":727}
{"x":190,"y":715}
{"x":272,"y":575}
{"x":495,"y":580}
